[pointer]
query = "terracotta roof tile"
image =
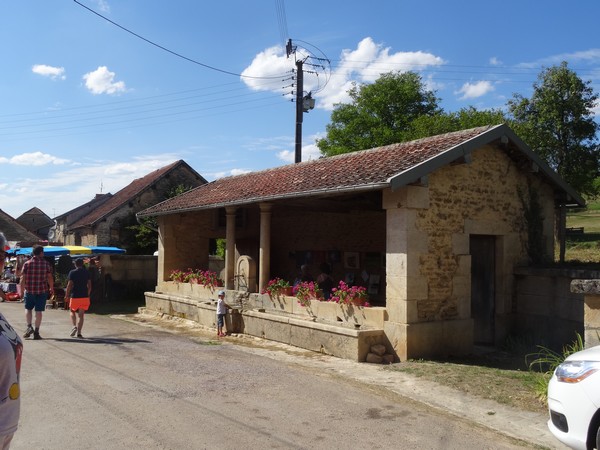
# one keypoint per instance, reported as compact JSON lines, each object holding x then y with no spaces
{"x":14,"y":231}
{"x":352,"y":171}
{"x":125,"y":195}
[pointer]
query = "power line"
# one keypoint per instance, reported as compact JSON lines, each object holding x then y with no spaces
{"x":171,"y":51}
{"x":282,"y":21}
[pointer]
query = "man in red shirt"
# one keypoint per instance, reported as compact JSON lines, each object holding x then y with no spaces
{"x":37,"y":282}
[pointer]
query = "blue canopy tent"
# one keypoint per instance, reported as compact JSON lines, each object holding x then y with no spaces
{"x":106,"y":250}
{"x":51,"y":250}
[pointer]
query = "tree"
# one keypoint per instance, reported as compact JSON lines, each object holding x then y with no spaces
{"x":465,"y":118}
{"x":557,"y":122}
{"x":379,"y":114}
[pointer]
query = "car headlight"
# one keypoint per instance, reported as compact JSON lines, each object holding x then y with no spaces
{"x":576,"y":371}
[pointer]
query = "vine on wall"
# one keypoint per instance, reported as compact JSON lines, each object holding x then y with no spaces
{"x":534,"y":220}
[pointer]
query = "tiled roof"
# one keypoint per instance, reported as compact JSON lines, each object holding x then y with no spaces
{"x":126,"y":194}
{"x":98,"y":199}
{"x":14,"y":231}
{"x":360,"y":170}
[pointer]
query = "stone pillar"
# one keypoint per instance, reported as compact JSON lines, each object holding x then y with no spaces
{"x":591,"y":309}
{"x":405,"y":285}
{"x":264,"y":260}
{"x":230,"y":248}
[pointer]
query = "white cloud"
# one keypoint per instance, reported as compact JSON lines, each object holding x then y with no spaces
{"x":591,"y":56}
{"x":364,"y":64}
{"x":33,"y":159}
{"x":103,"y":5}
{"x":65,"y":187}
{"x":309,"y":151}
{"x":55,"y":73}
{"x":596,"y":109}
{"x":101,"y":81}
{"x":495,"y":61}
{"x":475,"y":90}
{"x":232,"y":172}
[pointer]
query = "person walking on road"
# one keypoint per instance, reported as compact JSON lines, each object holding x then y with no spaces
{"x":221,"y":312}
{"x":11,"y":350}
{"x":79,"y":288}
{"x":37,"y":282}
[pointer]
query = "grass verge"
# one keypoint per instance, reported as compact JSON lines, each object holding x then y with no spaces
{"x":482,"y":378}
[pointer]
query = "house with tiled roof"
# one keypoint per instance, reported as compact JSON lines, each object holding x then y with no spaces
{"x":36,"y":221}
{"x":104,"y":221}
{"x":14,"y":232}
{"x":432,"y":228}
{"x":65,"y":220}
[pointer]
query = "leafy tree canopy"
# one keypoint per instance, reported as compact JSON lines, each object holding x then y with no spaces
{"x":557,"y":122}
{"x":379,"y":114}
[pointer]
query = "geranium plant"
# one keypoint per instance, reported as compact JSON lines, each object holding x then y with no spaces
{"x":206,"y":278}
{"x":276,"y":287}
{"x":306,"y":291}
{"x":177,"y":275}
{"x":349,"y":295}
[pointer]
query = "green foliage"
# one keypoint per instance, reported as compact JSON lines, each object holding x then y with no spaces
{"x":221,"y":246}
{"x":557,"y":122}
{"x":379,"y":113}
{"x":465,"y":118}
{"x":545,"y":361}
{"x":532,"y":212}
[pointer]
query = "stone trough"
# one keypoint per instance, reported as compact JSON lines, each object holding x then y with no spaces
{"x":347,"y":332}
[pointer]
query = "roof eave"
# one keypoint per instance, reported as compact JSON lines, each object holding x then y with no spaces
{"x":269,"y":198}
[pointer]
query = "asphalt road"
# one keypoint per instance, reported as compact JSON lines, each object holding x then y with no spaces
{"x":129,"y":385}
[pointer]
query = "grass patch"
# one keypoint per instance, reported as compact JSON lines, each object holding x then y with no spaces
{"x":512,"y":387}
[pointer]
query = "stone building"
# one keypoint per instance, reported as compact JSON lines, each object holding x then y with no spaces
{"x":434,"y":228}
{"x":16,"y":233}
{"x":102,"y":221}
{"x":36,"y":221}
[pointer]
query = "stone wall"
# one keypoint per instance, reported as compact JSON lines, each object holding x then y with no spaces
{"x":546,"y":311}
{"x":127,"y":276}
{"x":429,"y":262}
{"x":590,"y":289}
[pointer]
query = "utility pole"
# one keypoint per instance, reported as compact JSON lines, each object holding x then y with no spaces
{"x":299,"y":110}
{"x":304,"y":103}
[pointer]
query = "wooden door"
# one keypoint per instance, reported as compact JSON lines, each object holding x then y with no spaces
{"x":483,"y":287}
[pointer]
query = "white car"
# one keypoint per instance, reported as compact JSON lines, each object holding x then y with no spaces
{"x":574,"y":400}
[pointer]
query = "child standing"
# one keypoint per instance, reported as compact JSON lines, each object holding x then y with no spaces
{"x":221,"y":312}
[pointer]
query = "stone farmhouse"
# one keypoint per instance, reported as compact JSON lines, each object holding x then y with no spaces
{"x":102,"y":221}
{"x":434,"y":228}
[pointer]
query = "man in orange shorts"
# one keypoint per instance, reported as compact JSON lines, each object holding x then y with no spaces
{"x":79,"y":288}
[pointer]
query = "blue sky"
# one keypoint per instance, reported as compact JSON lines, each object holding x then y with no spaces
{"x":86,"y":107}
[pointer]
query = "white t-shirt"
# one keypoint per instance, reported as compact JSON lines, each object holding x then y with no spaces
{"x":221,"y":308}
{"x":11,"y":349}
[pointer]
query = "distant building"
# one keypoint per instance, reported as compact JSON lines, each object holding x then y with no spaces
{"x":15,"y":232}
{"x":107,"y":217}
{"x":36,"y":221}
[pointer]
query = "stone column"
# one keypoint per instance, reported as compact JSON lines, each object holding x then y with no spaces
{"x":230,"y":248}
{"x":264,"y":260}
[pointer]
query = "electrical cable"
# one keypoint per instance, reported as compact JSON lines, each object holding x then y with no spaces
{"x":171,"y":51}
